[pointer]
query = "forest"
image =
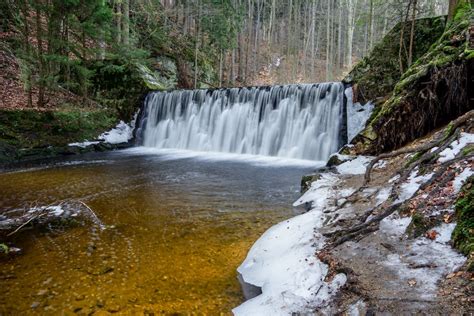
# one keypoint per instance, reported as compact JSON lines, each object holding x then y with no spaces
{"x":65,"y":46}
{"x":245,"y":157}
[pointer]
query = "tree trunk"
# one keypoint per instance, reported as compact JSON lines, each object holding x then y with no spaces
{"x":452,"y":9}
{"x":126,"y":22}
{"x":41,"y":66}
{"x":351,"y":8}
{"x":412,"y":34}
{"x":118,"y":21}
{"x":402,"y":38}
{"x":196,"y":49}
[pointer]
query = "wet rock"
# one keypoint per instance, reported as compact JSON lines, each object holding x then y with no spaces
{"x":307,"y":180}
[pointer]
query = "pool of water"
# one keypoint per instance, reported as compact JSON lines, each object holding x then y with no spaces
{"x":178,"y":227}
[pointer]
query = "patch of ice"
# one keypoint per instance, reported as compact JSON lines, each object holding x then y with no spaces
{"x":394,"y":178}
{"x":346,"y":192}
{"x":461,"y":178}
{"x":380,"y":164}
{"x":357,"y":309}
{"x":394,"y":225}
{"x":408,"y":189}
{"x":427,"y":262}
{"x":383,"y":195}
{"x":455,"y":147}
{"x":355,"y":166}
{"x":444,"y":232}
{"x":357,"y":115}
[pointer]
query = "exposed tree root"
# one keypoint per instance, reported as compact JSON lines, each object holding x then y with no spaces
{"x":428,"y":157}
{"x":452,"y":132}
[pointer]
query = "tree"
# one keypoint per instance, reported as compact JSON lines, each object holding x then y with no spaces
{"x":452,"y":8}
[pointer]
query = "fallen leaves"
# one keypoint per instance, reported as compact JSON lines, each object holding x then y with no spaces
{"x":412,"y":282}
{"x":431,"y":234}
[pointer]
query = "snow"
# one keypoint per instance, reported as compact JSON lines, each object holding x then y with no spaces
{"x":84,"y":144}
{"x":357,"y":115}
{"x":122,"y":133}
{"x":54,"y":210}
{"x":461,"y":178}
{"x":319,"y":191}
{"x":408,"y":189}
{"x":355,"y":166}
{"x":456,"y":147}
{"x":283,"y":262}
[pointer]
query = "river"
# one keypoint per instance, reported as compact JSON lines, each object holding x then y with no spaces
{"x":178,"y":226}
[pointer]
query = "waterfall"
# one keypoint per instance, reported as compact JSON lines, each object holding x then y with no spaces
{"x":294,"y":121}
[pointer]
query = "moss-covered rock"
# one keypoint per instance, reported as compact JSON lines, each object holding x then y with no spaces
{"x":376,"y":75}
{"x":436,"y":89}
{"x":32,"y":134}
{"x":307,"y":180}
{"x":463,"y":234}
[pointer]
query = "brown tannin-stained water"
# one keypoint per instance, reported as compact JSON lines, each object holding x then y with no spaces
{"x":177,"y":231}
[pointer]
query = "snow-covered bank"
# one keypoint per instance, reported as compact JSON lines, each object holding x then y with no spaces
{"x":283,"y":261}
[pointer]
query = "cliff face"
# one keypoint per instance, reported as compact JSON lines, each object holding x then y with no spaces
{"x":433,"y":91}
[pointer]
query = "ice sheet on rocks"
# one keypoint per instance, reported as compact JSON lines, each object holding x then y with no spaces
{"x":358,"y":115}
{"x":456,"y":147}
{"x":283,"y":263}
{"x":427,"y":261}
{"x":394,"y":225}
{"x":383,"y":195}
{"x":461,"y":178}
{"x":354,"y":166}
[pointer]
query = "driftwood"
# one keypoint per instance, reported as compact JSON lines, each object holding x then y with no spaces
{"x":40,"y":216}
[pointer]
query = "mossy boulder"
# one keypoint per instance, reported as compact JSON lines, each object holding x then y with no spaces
{"x":32,"y":134}
{"x":376,"y":75}
{"x":307,"y":180}
{"x":463,"y":234}
{"x":436,"y":89}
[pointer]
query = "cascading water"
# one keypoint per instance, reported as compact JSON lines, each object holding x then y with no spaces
{"x":294,"y":121}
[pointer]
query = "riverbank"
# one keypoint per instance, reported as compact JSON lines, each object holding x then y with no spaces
{"x":383,"y":244}
{"x":32,"y":134}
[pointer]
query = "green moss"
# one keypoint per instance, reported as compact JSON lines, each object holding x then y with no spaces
{"x":377,"y":74}
{"x":31,"y":132}
{"x":463,"y":234}
{"x":419,"y":225}
{"x":450,"y":48}
{"x":414,"y":158}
